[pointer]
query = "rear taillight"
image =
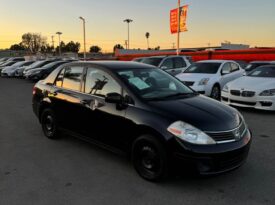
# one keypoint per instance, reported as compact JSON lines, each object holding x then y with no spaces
{"x":34,"y":90}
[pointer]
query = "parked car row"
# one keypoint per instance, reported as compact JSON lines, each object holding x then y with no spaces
{"x":32,"y":70}
{"x":234,"y":82}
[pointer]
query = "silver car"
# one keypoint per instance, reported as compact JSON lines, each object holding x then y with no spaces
{"x":209,"y":77}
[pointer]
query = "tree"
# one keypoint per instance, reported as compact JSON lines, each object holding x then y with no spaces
{"x":118,"y":46}
{"x":72,"y":47}
{"x":147,"y":35}
{"x":17,"y":47}
{"x":47,"y":49}
{"x":95,"y":49}
{"x":63,"y":47}
{"x":33,"y":42}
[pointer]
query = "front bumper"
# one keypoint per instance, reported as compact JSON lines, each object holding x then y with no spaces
{"x":202,"y":89}
{"x":212,"y":159}
{"x":257,"y":102}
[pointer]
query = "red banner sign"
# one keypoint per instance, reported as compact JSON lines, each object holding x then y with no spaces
{"x":174,"y":19}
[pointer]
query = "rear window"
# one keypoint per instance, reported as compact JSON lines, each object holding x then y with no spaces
{"x":152,"y":61}
{"x":72,"y":78}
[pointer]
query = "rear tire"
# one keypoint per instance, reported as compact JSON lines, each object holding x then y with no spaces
{"x":150,"y":158}
{"x":216,"y":93}
{"x":49,"y":124}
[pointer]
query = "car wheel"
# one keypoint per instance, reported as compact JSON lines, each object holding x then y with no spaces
{"x":49,"y":124}
{"x":216,"y":93}
{"x":149,"y":158}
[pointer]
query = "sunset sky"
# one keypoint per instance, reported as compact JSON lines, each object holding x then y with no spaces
{"x":213,"y":21}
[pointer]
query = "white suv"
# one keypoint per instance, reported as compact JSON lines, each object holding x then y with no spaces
{"x":209,"y":77}
{"x":171,"y":64}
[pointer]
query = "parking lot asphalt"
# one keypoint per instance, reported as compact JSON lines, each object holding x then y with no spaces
{"x":36,"y":170}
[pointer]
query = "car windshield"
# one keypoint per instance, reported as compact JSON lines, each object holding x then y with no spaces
{"x":207,"y":68}
{"x":152,"y":61}
{"x":154,"y":84}
{"x":37,"y":63}
{"x":9,"y":63}
{"x":264,"y":72}
{"x":19,"y":63}
{"x":50,"y":64}
{"x":252,"y":66}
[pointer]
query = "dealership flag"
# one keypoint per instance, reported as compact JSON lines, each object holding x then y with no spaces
{"x":174,"y":19}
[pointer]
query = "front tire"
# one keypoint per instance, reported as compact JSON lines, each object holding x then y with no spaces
{"x":149,"y":158}
{"x":49,"y":124}
{"x":216,"y":93}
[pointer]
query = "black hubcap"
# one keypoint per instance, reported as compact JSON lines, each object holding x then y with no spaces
{"x":149,"y":159}
{"x":49,"y":124}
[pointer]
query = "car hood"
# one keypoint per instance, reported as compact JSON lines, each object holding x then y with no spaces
{"x":202,"y":112}
{"x":194,"y":77}
{"x":252,"y":83}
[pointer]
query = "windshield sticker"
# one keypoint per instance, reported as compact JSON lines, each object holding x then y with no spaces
{"x":140,"y":84}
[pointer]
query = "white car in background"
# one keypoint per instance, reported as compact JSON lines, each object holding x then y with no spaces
{"x":209,"y":77}
{"x":256,"y":90}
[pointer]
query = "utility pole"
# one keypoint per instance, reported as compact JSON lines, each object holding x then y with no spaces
{"x":59,"y":34}
{"x":52,"y":41}
{"x":128,"y":21}
{"x":84,"y":36}
{"x":178,"y":39}
{"x":126,"y":44}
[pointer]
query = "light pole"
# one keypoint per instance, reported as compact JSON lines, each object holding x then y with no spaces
{"x":128,"y":21}
{"x":84,"y":35}
{"x":59,"y":34}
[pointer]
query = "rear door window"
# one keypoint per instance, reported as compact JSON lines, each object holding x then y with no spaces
{"x":234,"y":67}
{"x":167,"y":64}
{"x":179,"y":63}
{"x":72,"y":78}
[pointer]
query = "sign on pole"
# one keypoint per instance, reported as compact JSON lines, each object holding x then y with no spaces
{"x":174,"y":18}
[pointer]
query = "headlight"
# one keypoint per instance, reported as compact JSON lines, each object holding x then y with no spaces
{"x":270,"y":92}
{"x":204,"y":81}
{"x":225,"y":89}
{"x":190,"y":134}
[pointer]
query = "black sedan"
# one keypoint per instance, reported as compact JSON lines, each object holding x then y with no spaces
{"x":144,"y":112}
{"x":43,"y":72}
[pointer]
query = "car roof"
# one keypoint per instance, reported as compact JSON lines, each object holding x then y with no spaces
{"x":115,"y":65}
{"x":260,"y":62}
{"x":215,"y":61}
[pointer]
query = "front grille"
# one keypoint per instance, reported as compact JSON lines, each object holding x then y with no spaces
{"x":248,"y":94}
{"x":235,"y":92}
{"x":188,"y":83}
{"x":233,"y":159}
{"x":233,"y":135}
{"x":243,"y":103}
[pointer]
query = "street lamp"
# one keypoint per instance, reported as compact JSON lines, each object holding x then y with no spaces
{"x":59,"y":34}
{"x":128,"y":21}
{"x":84,"y":34}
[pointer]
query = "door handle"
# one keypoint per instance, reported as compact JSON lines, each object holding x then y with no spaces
{"x":84,"y":102}
{"x":53,"y":94}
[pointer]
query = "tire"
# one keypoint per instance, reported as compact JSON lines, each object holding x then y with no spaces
{"x":149,"y":158}
{"x":49,"y":124}
{"x":216,"y":93}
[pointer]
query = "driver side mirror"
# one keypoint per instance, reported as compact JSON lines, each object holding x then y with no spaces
{"x":113,"y":98}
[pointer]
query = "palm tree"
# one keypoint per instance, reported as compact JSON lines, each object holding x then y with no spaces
{"x":147,"y":35}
